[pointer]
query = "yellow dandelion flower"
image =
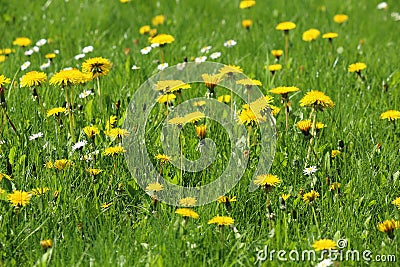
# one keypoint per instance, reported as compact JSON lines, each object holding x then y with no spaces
{"x":334,"y":186}
{"x":158,"y":20}
{"x":225,"y":199}
{"x":390,"y":115}
{"x":68,"y":77}
{"x":187,"y":201}
{"x":171,"y":85}
{"x":305,"y":126}
{"x":247,"y":4}
{"x":177,"y":121}
{"x":33,"y":78}
{"x":357,"y":67}
{"x":285,"y":196}
{"x":284,"y":90}
{"x":199,"y":103}
{"x":222,"y":220}
{"x":277,"y":53}
{"x":39,"y":191}
{"x":6,"y":51}
{"x":91,"y":131}
{"x":117,"y":133}
{"x":335,"y":153}
{"x":96,"y":67}
{"x":186,"y":212}
{"x":55,"y":111}
{"x":396,"y":202}
{"x":230,"y":70}
{"x":155,"y":187}
{"x":340,"y":18}
{"x":310,"y":35}
{"x":162,"y":39}
{"x":324,"y":244}
{"x":49,"y":165}
{"x":111,"y":122}
{"x":211,"y":80}
{"x":50,"y":56}
{"x":285,"y":26}
{"x":274,"y":67}
{"x":246,"y":23}
{"x":62,"y":164}
{"x":310,"y":196}
{"x":4,"y":80}
{"x":46,"y":244}
{"x":19,"y":198}
{"x":145,"y":29}
{"x":316,"y":99}
{"x":388,"y":226}
{"x":112,"y":151}
{"x":166,"y":98}
{"x":3,"y":175}
{"x":224,"y":98}
{"x":201,"y":131}
{"x":94,"y":172}
{"x":330,"y":35}
{"x":22,"y":41}
{"x":163,"y":158}
{"x":2,"y":58}
{"x":274,"y":110}
{"x":247,"y":116}
{"x":106,"y":205}
{"x":249,"y":82}
{"x":194,"y":116}
{"x":267,"y":180}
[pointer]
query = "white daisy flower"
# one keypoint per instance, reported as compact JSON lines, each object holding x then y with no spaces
{"x":382,"y":5}
{"x":230,"y":43}
{"x":35,"y":49}
{"x":395,"y":16}
{"x":85,"y":94}
{"x":87,"y":49}
{"x":215,"y":55}
{"x":45,"y":65}
{"x":181,"y":66}
{"x":310,"y":170}
{"x":134,"y":67}
{"x":56,"y":51}
{"x":2,"y":142}
{"x":79,"y":145}
{"x":325,"y":263}
{"x":162,"y":66}
{"x":79,"y":56}
{"x":145,"y":50}
{"x":155,"y":45}
{"x":35,"y":136}
{"x":41,"y":42}
{"x":205,"y":49}
{"x":25,"y":65}
{"x":28,"y":52}
{"x":200,"y":59}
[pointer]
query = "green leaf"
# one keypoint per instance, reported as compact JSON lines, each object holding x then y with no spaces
{"x":89,"y":110}
{"x":11,"y":155}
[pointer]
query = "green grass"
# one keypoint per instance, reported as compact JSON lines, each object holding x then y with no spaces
{"x":129,"y":231}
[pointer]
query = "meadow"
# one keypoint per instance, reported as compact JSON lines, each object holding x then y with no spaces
{"x":71,"y":194}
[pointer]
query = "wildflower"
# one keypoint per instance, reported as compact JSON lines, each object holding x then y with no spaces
{"x":187,"y":201}
{"x":325,"y":263}
{"x":205,"y":49}
{"x":134,"y":67}
{"x":310,"y":197}
{"x":117,"y":133}
{"x":87,"y":49}
{"x":335,"y":153}
{"x":200,"y":59}
{"x":41,"y":42}
{"x":201,"y":131}
{"x":305,"y":126}
{"x":39,"y":191}
{"x":4,"y":80}
{"x":230,"y":70}
{"x":55,"y":111}
{"x":274,"y":110}
{"x":97,"y":66}
{"x":162,"y":158}
{"x":247,"y":4}
{"x":310,"y":35}
{"x":285,"y":26}
{"x":33,"y":78}
{"x":106,"y":205}
{"x":162,"y":66}
{"x":194,"y":116}
{"x":25,"y":65}
{"x":246,"y":23}
{"x":249,"y":82}
{"x":310,"y":170}
{"x":285,"y":196}
{"x":50,"y":56}
{"x":2,"y":58}
{"x":222,"y":220}
{"x":145,"y":50}
{"x":199,"y":103}
{"x":19,"y":198}
{"x":29,"y":52}
{"x":85,"y":94}
{"x":396,"y":202}
{"x":357,"y":67}
{"x":267,"y":180}
{"x":382,"y":5}
{"x":171,"y":85}
{"x":225,"y":199}
{"x":334,"y":186}
{"x":155,"y":187}
{"x":224,"y":98}
{"x":277,"y":53}
{"x":317,"y":100}
{"x":68,"y":77}
{"x":94,"y":172}
{"x":324,"y":244}
{"x":45,"y":65}
{"x":22,"y":41}
{"x":211,"y":81}
{"x":215,"y":55}
{"x":340,"y":18}
{"x":186,"y":213}
{"x":388,"y":226}
{"x":91,"y":131}
{"x":45,"y":244}
{"x":35,"y":136}
{"x":79,"y":56}
{"x":166,"y":98}
{"x":284,"y":90}
{"x":181,"y":66}
{"x":79,"y":145}
{"x":162,"y":39}
{"x":230,"y":43}
{"x":274,"y":67}
{"x":112,"y":151}
{"x":330,"y":35}
{"x":390,"y":115}
{"x":3,"y":175}
{"x":62,"y":164}
{"x":158,"y":20}
{"x":248,"y":117}
{"x":144,"y":29}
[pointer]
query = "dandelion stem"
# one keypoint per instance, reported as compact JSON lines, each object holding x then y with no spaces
{"x":99,"y":93}
{"x":313,"y":132}
{"x":286,"y":113}
{"x":316,"y":221}
{"x":286,"y":47}
{"x":70,"y":115}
